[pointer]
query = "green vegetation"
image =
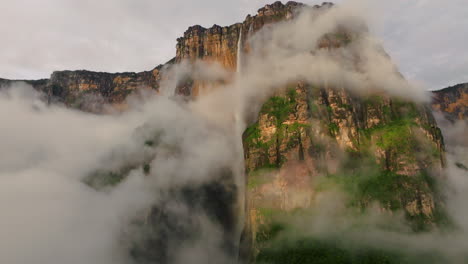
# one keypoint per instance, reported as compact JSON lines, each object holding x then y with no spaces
{"x":333,"y":129}
{"x":101,"y":179}
{"x":259,"y":176}
{"x":149,"y":143}
{"x":279,"y":240}
{"x":397,"y":136}
{"x":338,"y":251}
{"x":280,"y":107}
{"x":252,"y":137}
{"x":294,"y":132}
{"x":364,"y":179}
{"x":146,"y":169}
{"x":369,"y":184}
{"x":343,"y":38}
{"x":313,"y":108}
{"x":269,"y":232}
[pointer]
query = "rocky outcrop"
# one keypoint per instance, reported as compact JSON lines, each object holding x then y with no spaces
{"x":92,"y":91}
{"x":39,"y":85}
{"x":226,"y":45}
{"x":221,"y":44}
{"x":452,"y":102}
{"x":79,"y":88}
{"x":382,"y":146}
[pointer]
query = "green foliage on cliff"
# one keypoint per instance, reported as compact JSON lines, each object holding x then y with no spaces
{"x":146,"y":169}
{"x":370,"y":184}
{"x":280,"y":107}
{"x":333,"y":129}
{"x":252,"y":136}
{"x":316,"y":250}
{"x":267,"y":233}
{"x":101,"y":179}
{"x":390,"y":189}
{"x":293,"y":132}
{"x":397,"y":136}
{"x":260,"y":176}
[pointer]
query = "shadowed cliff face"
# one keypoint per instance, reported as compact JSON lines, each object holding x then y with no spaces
{"x":377,"y":148}
{"x":39,"y":85}
{"x":452,"y":102}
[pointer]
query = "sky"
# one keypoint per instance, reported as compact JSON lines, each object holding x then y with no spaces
{"x":425,"y":38}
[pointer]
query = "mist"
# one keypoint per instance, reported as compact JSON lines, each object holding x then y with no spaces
{"x":52,"y":216}
{"x":48,"y":215}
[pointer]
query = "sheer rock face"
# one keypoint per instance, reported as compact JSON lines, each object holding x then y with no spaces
{"x":214,"y":44}
{"x":115,"y":87}
{"x":325,"y":128}
{"x":222,"y":45}
{"x":91,"y":91}
{"x":383,"y":147}
{"x":452,"y":102}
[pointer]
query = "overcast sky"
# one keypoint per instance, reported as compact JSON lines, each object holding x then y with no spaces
{"x":426,"y":38}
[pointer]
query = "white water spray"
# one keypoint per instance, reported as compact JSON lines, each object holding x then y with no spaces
{"x":239,"y":52}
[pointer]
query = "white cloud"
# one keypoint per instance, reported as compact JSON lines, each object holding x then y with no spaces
{"x":426,"y":38}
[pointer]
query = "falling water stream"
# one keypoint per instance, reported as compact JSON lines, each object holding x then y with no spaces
{"x":239,"y":52}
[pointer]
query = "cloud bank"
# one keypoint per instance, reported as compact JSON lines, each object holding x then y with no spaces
{"x":425,"y":38}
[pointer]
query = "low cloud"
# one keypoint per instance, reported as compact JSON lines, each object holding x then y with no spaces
{"x":47,"y":151}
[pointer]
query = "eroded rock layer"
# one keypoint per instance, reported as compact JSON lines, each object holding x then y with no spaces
{"x":92,"y":91}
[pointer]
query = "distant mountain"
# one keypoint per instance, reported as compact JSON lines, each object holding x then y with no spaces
{"x":452,"y":102}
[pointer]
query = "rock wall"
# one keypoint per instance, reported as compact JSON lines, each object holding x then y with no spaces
{"x":220,"y":44}
{"x":226,"y":45}
{"x":92,"y":91}
{"x":452,"y":102}
{"x":383,"y":147}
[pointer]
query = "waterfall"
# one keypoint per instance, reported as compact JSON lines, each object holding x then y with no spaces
{"x":250,"y":30}
{"x":239,"y":51}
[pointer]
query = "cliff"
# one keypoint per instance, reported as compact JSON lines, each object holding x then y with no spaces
{"x":91,"y":91}
{"x":382,"y":148}
{"x":452,"y":102}
{"x":222,"y":44}
{"x":376,"y":148}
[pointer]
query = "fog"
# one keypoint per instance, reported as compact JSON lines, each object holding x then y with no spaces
{"x":52,"y":216}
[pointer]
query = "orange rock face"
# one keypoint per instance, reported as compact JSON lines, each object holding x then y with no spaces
{"x":224,"y":45}
{"x":452,"y":102}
